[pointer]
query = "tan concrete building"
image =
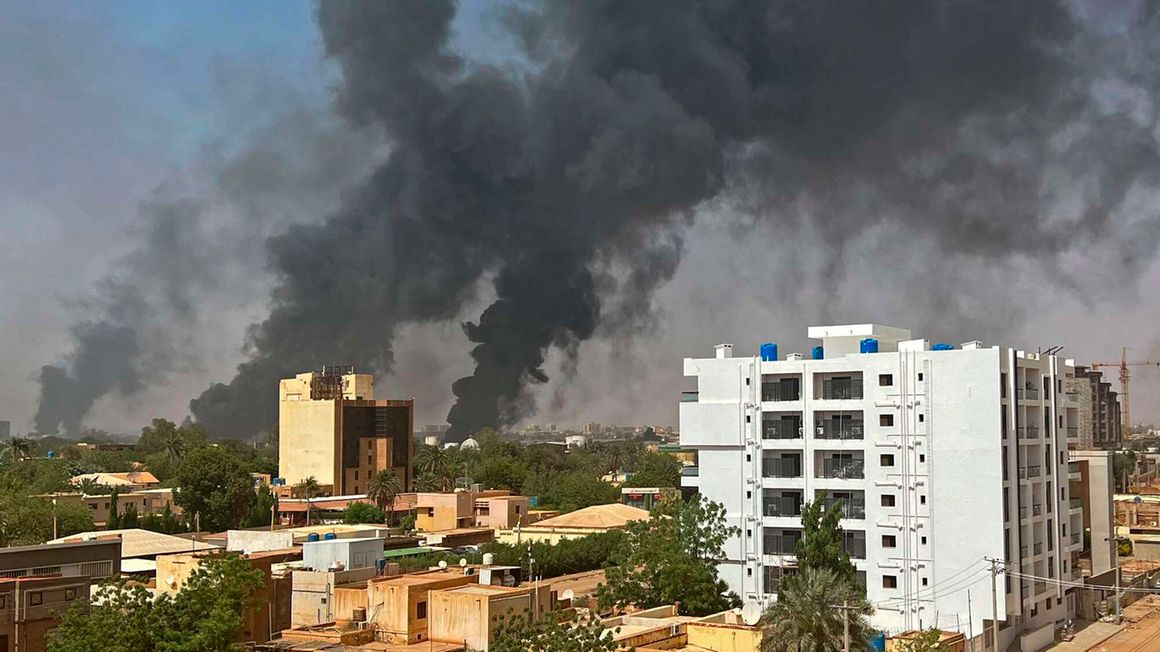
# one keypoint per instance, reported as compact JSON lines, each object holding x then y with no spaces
{"x":470,"y":614}
{"x":404,"y":612}
{"x":573,"y":525}
{"x":272,"y":613}
{"x":145,"y":501}
{"x":32,"y":607}
{"x":331,"y":428}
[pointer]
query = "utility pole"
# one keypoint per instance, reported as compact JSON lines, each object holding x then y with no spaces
{"x":845,"y":626}
{"x":1116,"y":547}
{"x":994,"y":604}
{"x":970,"y":619}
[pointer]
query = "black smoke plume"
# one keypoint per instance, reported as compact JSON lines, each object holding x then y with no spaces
{"x":977,"y":122}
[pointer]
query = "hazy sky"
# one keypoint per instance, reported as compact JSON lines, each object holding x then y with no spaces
{"x":108,"y":106}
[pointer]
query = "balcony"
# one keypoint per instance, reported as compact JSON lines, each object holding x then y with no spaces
{"x":781,"y":389}
{"x":1076,"y":538}
{"x":1029,"y":393}
{"x":854,"y":543}
{"x":781,"y":428}
{"x":842,"y":469}
{"x":1026,"y":472}
{"x":781,"y":466}
{"x":1072,"y":432}
{"x":841,"y":389}
{"x":838,"y":428}
{"x":688,"y":397}
{"x":782,"y":503}
{"x":1029,"y":432}
{"x":1075,"y":503}
{"x":690,"y":471}
{"x":851,"y":505}
{"x":781,"y":542}
{"x":1038,"y":549}
{"x":1037,"y":509}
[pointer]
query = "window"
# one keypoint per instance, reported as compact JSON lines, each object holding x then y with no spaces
{"x":888,"y":500}
{"x":356,"y":474}
{"x":3,"y":602}
{"x":888,"y":541}
{"x":922,"y":499}
{"x":889,"y":582}
{"x":748,"y":418}
{"x":922,"y":457}
{"x":924,"y":541}
{"x":886,"y":420}
{"x":370,"y":460}
{"x":921,"y":417}
{"x":886,"y":459}
{"x":885,"y":380}
{"x":920,"y":376}
{"x":369,"y":445}
{"x":924,"y":581}
{"x":36,"y":597}
{"x":748,"y":458}
{"x":421,"y":610}
{"x":749,"y":571}
{"x":70,"y":594}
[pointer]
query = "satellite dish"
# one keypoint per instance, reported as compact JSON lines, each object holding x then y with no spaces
{"x":568,"y":594}
{"x":442,"y":564}
{"x":751,"y":613}
{"x":462,"y":562}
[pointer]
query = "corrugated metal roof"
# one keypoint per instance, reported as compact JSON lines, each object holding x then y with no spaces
{"x":140,"y":543}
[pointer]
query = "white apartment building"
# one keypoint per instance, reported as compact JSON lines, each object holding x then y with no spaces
{"x":942,"y":456}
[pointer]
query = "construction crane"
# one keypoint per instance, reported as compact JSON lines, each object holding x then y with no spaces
{"x":1123,"y":364}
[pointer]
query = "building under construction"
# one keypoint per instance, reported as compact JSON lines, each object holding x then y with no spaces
{"x":1099,"y":425}
{"x":331,"y":428}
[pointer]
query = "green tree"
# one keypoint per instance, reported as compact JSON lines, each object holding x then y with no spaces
{"x":308,"y":488}
{"x":114,"y":522}
{"x":805,"y":617}
{"x":571,"y":490}
{"x":550,"y":633}
{"x":383,"y":488}
{"x":28,"y":520}
{"x":214,"y":484}
{"x":1123,"y":466}
{"x":656,"y":470}
{"x":204,"y":617}
{"x":91,"y":487}
{"x":672,"y":557}
{"x":822,"y":543}
{"x":928,"y":640}
{"x":16,"y":448}
{"x":129,"y":518}
{"x":261,"y":511}
{"x":362,"y":513}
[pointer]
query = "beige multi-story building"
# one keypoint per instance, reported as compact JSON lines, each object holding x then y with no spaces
{"x":331,"y":428}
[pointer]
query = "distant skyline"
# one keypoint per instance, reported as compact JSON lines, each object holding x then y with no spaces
{"x":225,"y":109}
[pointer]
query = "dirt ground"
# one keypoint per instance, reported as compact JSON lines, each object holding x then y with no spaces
{"x":1141,"y":632}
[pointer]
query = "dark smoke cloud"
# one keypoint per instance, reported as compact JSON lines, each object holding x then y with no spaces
{"x":570,"y":180}
{"x":200,"y":244}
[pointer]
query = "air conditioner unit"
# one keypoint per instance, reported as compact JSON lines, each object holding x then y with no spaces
{"x":821,"y":430}
{"x":857,"y":430}
{"x":801,"y":431}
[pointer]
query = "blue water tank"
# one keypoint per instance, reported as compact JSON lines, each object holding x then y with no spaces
{"x":817,"y":353}
{"x":868,"y":345}
{"x":380,"y":565}
{"x":313,"y":536}
{"x":51,"y":454}
{"x":769,"y":352}
{"x":943,"y":347}
{"x":878,"y":641}
{"x":330,"y":536}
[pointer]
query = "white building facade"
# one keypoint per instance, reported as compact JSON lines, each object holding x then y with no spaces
{"x":943,"y":457}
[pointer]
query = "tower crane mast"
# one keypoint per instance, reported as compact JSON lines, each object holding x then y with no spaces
{"x":1125,"y":376}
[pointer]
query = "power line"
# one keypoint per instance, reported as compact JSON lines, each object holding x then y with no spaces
{"x":937,"y":590}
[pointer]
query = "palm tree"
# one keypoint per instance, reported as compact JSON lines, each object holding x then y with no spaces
{"x":383,"y":489}
{"x":429,"y":460}
{"x":18,"y":448}
{"x":804,"y":618}
{"x":174,"y":444}
{"x":426,"y":482}
{"x":91,"y":487}
{"x":308,"y":489}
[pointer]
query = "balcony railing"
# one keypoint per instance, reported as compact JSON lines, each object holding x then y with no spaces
{"x":1022,"y":511}
{"x":1025,"y":591}
{"x":781,"y":429}
{"x":1029,"y":432}
{"x":1076,"y":538}
{"x":1037,"y":509}
{"x":839,"y":429}
{"x":782,"y":505}
{"x":839,"y":389}
{"x":784,"y":467}
{"x":781,"y":544}
{"x":688,"y":397}
{"x":856,"y":548}
{"x":1039,"y":549}
{"x":1029,"y":471}
{"x":842,"y":469}
{"x":690,"y":471}
{"x":781,"y":390}
{"x":850,"y":508}
{"x":1072,"y":432}
{"x":1028,"y":393}
{"x":1040,"y":587}
{"x":1075,"y":503}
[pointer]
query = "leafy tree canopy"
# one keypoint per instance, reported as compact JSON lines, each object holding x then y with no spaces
{"x":213,"y":483}
{"x":672,"y":558}
{"x":821,"y":545}
{"x":550,"y":633}
{"x":362,"y":513}
{"x":805,"y":617}
{"x":204,"y":617}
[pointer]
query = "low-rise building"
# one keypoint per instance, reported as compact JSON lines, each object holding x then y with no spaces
{"x":404,"y":612}
{"x":32,"y":607}
{"x":130,"y":480}
{"x":274,"y":599}
{"x":95,"y":559}
{"x":471,"y":613}
{"x":342,"y":553}
{"x":580,"y":523}
{"x":144,"y":501}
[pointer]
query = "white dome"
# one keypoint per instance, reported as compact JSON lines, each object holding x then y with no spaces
{"x":470,"y":443}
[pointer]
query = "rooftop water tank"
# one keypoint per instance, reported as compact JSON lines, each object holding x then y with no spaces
{"x":943,"y":347}
{"x":868,"y":345}
{"x":51,"y":454}
{"x":313,"y":536}
{"x":817,"y":353}
{"x":769,"y":352}
{"x":330,"y":536}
